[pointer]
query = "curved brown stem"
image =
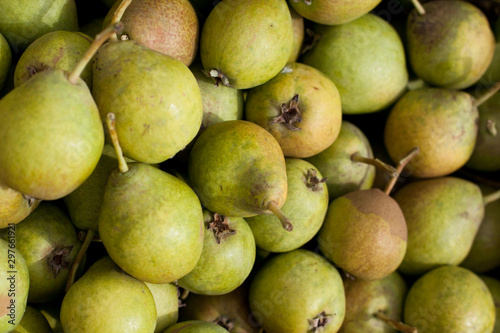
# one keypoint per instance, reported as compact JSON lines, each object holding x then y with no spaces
{"x":397,"y":325}
{"x":401,"y":165}
{"x":78,"y":259}
{"x":285,"y":222}
{"x":356,"y":157}
{"x":118,"y":14}
{"x":489,"y":198}
{"x":418,"y":6}
{"x":487,"y":95}
{"x":110,"y":123}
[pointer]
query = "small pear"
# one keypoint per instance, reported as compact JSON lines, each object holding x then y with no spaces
{"x":167,"y":304}
{"x":33,"y":322}
{"x":5,"y":60}
{"x":298,"y":34}
{"x":14,"y":207}
{"x":86,"y":306}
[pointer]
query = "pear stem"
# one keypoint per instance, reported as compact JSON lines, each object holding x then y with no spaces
{"x":418,"y":6}
{"x":118,"y":14}
{"x":356,"y":157}
{"x":110,"y":122}
{"x":79,"y":257}
{"x":401,"y":165}
{"x":285,"y":222}
{"x":397,"y":325}
{"x":489,"y":198}
{"x":486,"y":96}
{"x":96,"y":44}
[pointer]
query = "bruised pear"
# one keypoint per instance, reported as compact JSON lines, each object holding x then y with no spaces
{"x":245,"y":43}
{"x":365,"y":234}
{"x":237,"y":168}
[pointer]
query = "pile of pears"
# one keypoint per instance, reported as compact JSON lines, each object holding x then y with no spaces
{"x":249,"y":166}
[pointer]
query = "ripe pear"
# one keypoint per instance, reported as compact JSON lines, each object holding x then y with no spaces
{"x":450,"y":299}
{"x":23,"y":21}
{"x":14,"y":283}
{"x":441,"y":122}
{"x":155,"y":97}
{"x":300,"y":107}
{"x":306,"y":206}
{"x":167,"y":304}
{"x":443,"y":216}
{"x":227,"y":258}
{"x":333,"y":12}
{"x":33,"y":322}
{"x":230,"y":51}
{"x":298,"y":34}
{"x":494,"y":288}
{"x":365,"y":234}
{"x":484,"y":254}
{"x":298,"y":291}
{"x":5,"y":60}
{"x":237,"y":168}
{"x":370,"y":73}
{"x":451,"y":45}
{"x":343,"y":175}
{"x":57,"y":49}
{"x":195,"y":326}
{"x":14,"y":207}
{"x":168,"y":26}
{"x":86,"y":306}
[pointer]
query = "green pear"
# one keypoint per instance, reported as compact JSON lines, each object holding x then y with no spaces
{"x":230,"y":51}
{"x":227,"y":258}
{"x":168,"y":26}
{"x":298,"y":291}
{"x":450,"y":299}
{"x":14,"y":283}
{"x":14,"y":207}
{"x":333,"y":12}
{"x":237,"y":168}
{"x":300,"y":107}
{"x":51,"y":311}
{"x":148,"y":213}
{"x":451,"y":45}
{"x":298,"y":34}
{"x":5,"y":60}
{"x":57,"y":49}
{"x":343,"y":175}
{"x":306,"y":206}
{"x":49,"y":244}
{"x":167,"y":304}
{"x":443,"y":216}
{"x":106,"y":299}
{"x":494,"y":288}
{"x":33,"y":322}
{"x":441,"y":122}
{"x":365,"y":234}
{"x":195,"y":326}
{"x":484,"y":254}
{"x":23,"y":21}
{"x":156,"y":100}
{"x":365,"y":59}
{"x":366,"y":300}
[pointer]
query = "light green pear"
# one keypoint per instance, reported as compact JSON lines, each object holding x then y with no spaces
{"x":33,"y":322}
{"x":167,"y":304}
{"x":14,"y":207}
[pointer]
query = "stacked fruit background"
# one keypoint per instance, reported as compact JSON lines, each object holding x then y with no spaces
{"x":249,"y":166}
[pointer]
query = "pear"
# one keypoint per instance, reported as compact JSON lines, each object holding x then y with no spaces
{"x":443,"y":216}
{"x":441,"y":122}
{"x":298,"y":291}
{"x":451,"y":45}
{"x":57,"y":49}
{"x":365,"y":234}
{"x":51,"y":135}
{"x":298,"y":34}
{"x":230,"y":51}
{"x":238,"y":169}
{"x":195,"y":326}
{"x":343,"y":175}
{"x":369,"y":73}
{"x":14,"y":207}
{"x":167,"y":26}
{"x":333,"y":12}
{"x":23,"y":21}
{"x":450,"y":299}
{"x":14,"y":283}
{"x":5,"y":60}
{"x":167,"y":304}
{"x":306,"y":205}
{"x":86,"y":306}
{"x":155,"y":97}
{"x":33,"y":322}
{"x":227,"y":258}
{"x":300,"y":107}
{"x":484,"y":254}
{"x":49,"y":244}
{"x":494,"y":288}
{"x":51,"y":311}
